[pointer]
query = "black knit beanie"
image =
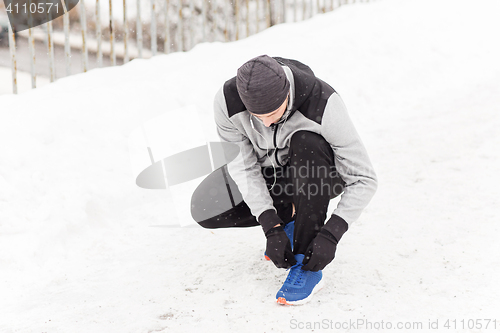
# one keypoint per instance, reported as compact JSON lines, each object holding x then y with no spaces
{"x":262,"y":84}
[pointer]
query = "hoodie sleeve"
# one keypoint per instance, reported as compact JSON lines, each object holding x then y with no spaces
{"x":245,"y":169}
{"x":351,"y":160}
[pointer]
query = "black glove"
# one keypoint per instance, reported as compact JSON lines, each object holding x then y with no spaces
{"x":321,"y":251}
{"x":269,"y":219}
{"x":278,"y":247}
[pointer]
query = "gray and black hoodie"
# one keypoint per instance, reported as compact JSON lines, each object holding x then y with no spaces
{"x":313,"y":106}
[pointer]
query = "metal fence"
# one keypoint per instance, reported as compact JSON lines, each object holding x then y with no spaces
{"x":184,"y":24}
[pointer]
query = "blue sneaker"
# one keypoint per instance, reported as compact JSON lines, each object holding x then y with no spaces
{"x":299,"y":285}
{"x":289,"y":232}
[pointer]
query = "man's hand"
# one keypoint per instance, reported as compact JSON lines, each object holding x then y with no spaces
{"x":321,"y":251}
{"x":278,"y":248}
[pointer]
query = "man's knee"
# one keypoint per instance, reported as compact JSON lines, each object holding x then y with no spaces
{"x":209,"y":223}
{"x":235,"y":217}
{"x":311,"y":159}
{"x":308,"y":149}
{"x":204,"y":215}
{"x":308,"y":140}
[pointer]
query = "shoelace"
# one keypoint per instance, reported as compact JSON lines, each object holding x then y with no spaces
{"x":295,"y":277}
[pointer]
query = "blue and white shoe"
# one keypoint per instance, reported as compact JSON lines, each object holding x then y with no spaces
{"x":289,"y":232}
{"x":299,"y":285}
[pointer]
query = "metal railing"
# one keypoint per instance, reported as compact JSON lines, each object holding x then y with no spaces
{"x":179,"y":25}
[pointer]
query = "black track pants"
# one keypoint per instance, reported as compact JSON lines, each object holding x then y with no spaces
{"x":309,"y":180}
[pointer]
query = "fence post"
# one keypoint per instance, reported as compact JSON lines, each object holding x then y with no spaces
{"x":112,"y":55}
{"x":12,"y":47}
{"x":31,"y":41}
{"x":83,"y":23}
{"x":154,"y":47}
{"x":257,"y":18}
{"x":237,"y":18}
{"x":204,"y":20}
{"x":191,"y":24}
{"x":180,"y":28}
{"x":213,"y":3}
{"x":225,"y":9}
{"x":98,"y":32}
{"x":67,"y":47}
{"x":125,"y":37}
{"x":268,"y":13}
{"x":139,"y":30}
{"x":50,"y":48}
{"x":166,"y":41}
{"x":284,"y":11}
{"x":247,"y":18}
{"x":294,"y":10}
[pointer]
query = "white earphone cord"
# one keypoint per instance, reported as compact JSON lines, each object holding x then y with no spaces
{"x":267,"y":153}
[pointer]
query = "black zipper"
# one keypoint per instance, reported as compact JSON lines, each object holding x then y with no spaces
{"x":276,"y":146}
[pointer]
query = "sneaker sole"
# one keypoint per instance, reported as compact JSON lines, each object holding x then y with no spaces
{"x":318,"y":287}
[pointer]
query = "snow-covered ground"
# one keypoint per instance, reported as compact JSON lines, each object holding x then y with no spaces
{"x":23,"y":81}
{"x":83,"y":249}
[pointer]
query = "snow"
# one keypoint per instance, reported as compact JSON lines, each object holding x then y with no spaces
{"x":83,"y":249}
{"x":23,"y":81}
